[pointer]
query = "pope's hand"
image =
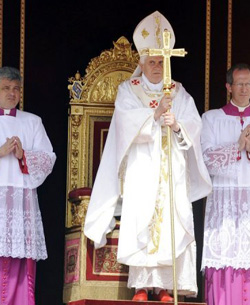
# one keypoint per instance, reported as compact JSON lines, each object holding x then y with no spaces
{"x":164,"y":105}
{"x":169,"y":120}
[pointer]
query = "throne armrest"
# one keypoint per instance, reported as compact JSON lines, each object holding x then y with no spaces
{"x":76,"y":195}
{"x":79,"y":199}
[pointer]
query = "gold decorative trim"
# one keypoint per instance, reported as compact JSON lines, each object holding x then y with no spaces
{"x":1,"y":33}
{"x":76,"y":121}
{"x":80,"y":147}
{"x":22,"y":48}
{"x":229,"y":38}
{"x":207,"y":57}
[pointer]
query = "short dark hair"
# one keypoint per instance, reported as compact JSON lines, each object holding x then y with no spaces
{"x":10,"y":73}
{"x":239,"y":66}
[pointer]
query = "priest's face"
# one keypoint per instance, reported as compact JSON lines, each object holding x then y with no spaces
{"x":240,"y":88}
{"x":9,"y":93}
{"x":153,"y":68}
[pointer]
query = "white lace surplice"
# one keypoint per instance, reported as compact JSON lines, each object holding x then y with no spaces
{"x":227,"y":225}
{"x":21,"y":225}
{"x":21,"y":228}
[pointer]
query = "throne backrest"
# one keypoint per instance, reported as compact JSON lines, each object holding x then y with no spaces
{"x":91,"y":104}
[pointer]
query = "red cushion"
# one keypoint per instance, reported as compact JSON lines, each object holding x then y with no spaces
{"x":82,"y":191}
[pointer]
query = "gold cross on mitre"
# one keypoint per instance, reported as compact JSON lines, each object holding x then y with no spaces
{"x":166,"y":52}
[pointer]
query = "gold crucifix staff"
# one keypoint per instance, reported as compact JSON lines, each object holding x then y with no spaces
{"x":166,"y":52}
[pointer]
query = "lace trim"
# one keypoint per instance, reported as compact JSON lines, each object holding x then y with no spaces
{"x":227,"y":229}
{"x":221,"y":160}
{"x":21,"y":224}
{"x":39,"y":165}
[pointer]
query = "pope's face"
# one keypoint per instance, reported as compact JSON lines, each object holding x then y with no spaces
{"x":240,"y":89}
{"x":9,"y":93}
{"x":153,"y":68}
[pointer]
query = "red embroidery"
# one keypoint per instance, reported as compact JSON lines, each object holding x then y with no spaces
{"x":238,"y":155}
{"x":171,"y":87}
{"x":153,"y":104}
{"x":23,"y":165}
{"x":135,"y":82}
{"x":248,"y":155}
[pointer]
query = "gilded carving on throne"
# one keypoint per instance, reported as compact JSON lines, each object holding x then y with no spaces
{"x":104,"y":74}
{"x":79,"y":211}
{"x":106,"y":89}
{"x":75,"y":125}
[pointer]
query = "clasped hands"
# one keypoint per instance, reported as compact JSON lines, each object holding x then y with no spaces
{"x":244,"y":140}
{"x":168,"y":117}
{"x":14,"y":145}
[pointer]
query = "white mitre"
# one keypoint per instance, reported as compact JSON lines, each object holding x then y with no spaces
{"x":149,"y":35}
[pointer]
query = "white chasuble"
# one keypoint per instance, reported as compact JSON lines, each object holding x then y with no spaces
{"x":134,"y":151}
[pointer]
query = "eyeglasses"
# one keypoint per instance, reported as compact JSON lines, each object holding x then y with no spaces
{"x":241,"y":85}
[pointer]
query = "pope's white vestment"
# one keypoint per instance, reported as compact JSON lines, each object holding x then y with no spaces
{"x":21,"y":226}
{"x":136,"y":153}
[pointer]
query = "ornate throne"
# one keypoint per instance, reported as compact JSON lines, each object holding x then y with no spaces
{"x":90,"y":273}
